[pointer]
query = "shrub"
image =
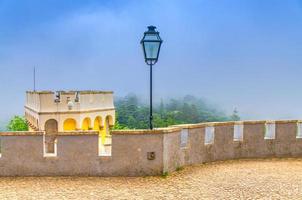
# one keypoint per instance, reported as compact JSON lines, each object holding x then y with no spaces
{"x":17,"y":123}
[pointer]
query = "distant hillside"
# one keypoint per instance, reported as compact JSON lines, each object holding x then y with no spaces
{"x":133,"y":113}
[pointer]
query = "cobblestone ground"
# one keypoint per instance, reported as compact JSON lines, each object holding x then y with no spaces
{"x":239,"y":179}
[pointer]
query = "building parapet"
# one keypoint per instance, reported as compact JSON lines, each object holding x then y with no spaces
{"x":146,"y":152}
{"x":72,"y":92}
{"x":145,"y":131}
{"x":40,"y":92}
{"x":75,"y":133}
{"x":21,"y":133}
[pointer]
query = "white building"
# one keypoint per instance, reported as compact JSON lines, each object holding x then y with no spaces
{"x":70,"y":111}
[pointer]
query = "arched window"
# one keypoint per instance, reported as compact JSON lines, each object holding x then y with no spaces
{"x":51,"y":126}
{"x":97,"y":123}
{"x":49,"y":139}
{"x":108,"y":123}
{"x":69,"y":125}
{"x":105,"y":131}
{"x":86,"y":125}
{"x":109,"y":120}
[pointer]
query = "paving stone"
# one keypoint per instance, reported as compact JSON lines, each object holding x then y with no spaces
{"x":235,"y":179}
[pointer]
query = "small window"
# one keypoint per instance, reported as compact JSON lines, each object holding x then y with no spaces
{"x":106,"y":147}
{"x":270,"y":129}
{"x":184,"y":138}
{"x":49,"y":146}
{"x":209,"y":135}
{"x":238,"y":132}
{"x":299,"y":130}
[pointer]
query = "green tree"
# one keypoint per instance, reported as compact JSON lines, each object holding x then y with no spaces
{"x":17,"y":123}
{"x":161,"y":108}
{"x":134,"y":114}
{"x":118,"y":126}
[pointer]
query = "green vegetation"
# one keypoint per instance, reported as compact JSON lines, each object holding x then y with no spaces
{"x":165,"y":174}
{"x":133,"y":114}
{"x":179,"y":169}
{"x":17,"y":123}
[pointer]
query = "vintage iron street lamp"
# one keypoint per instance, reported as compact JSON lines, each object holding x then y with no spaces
{"x":151,"y":43}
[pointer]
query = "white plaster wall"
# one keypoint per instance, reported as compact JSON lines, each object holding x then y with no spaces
{"x":41,"y":106}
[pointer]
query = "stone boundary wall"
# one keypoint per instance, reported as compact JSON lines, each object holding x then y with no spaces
{"x":254,"y":143}
{"x":148,"y":152}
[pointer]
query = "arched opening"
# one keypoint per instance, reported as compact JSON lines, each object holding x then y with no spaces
{"x":105,"y":137}
{"x":69,"y":125}
{"x":109,"y":118}
{"x":105,"y":130}
{"x":51,"y":130}
{"x":51,"y":126}
{"x":86,"y":125}
{"x":97,"y":123}
{"x":108,"y":123}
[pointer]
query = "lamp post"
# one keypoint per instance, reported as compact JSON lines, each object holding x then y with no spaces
{"x":151,"y":43}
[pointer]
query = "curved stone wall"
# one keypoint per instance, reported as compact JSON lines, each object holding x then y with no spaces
{"x":187,"y":144}
{"x":258,"y":141}
{"x":148,"y":152}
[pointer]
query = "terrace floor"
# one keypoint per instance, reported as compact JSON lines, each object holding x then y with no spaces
{"x":237,"y":179}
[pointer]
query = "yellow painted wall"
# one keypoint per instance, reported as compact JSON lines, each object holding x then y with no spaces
{"x":103,"y":132}
{"x":97,"y":123}
{"x":86,"y":124}
{"x":69,"y":125}
{"x":102,"y":128}
{"x":97,"y":126}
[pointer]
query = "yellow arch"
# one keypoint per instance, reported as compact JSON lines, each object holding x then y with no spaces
{"x":99,"y":127}
{"x":97,"y":123}
{"x":86,"y":124}
{"x":70,"y":125}
{"x":105,"y":129}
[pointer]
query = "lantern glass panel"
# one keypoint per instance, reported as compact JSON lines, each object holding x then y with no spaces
{"x":151,"y":36}
{"x":151,"y":49}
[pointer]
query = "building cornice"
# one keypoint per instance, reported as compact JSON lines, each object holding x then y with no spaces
{"x":70,"y":112}
{"x":71,"y":92}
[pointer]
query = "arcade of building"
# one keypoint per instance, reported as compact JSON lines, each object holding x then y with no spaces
{"x":65,"y":111}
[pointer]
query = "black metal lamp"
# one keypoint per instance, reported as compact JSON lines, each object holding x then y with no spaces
{"x":151,"y":44}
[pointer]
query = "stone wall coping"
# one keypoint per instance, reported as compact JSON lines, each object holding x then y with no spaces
{"x":21,"y":133}
{"x":145,"y":131}
{"x":205,"y":124}
{"x":287,"y":121}
{"x":255,"y":122}
{"x":174,"y":128}
{"x":271,"y":121}
{"x":37,"y":133}
{"x":77,"y":133}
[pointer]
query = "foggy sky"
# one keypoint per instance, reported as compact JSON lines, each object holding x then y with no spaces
{"x":236,"y":53}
